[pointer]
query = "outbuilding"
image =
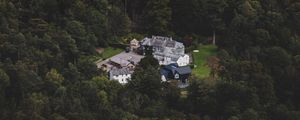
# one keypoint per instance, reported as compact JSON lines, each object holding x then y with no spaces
{"x":122,"y":75}
{"x":175,"y":72}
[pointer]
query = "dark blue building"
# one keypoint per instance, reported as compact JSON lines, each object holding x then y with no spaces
{"x":174,"y":72}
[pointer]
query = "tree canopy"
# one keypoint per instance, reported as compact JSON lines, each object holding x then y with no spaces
{"x":45,"y":72}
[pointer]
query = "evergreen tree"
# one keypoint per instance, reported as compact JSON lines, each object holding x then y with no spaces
{"x":156,"y":17}
{"x":146,"y":81}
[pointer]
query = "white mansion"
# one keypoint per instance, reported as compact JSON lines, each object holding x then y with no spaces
{"x":166,"y":50}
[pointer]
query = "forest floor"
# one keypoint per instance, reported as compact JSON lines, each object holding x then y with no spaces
{"x":200,"y":59}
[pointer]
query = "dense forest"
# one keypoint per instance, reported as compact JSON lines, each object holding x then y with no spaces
{"x":43,"y":75}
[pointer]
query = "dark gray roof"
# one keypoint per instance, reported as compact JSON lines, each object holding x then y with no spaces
{"x":171,"y":67}
{"x":158,"y":42}
{"x":170,"y":43}
{"x":174,"y":58}
{"x":119,"y":61}
{"x":184,"y":70}
{"x":119,"y":71}
{"x":126,"y":58}
{"x":165,"y":47}
{"x":164,"y":72}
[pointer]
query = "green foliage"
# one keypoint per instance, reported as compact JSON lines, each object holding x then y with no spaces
{"x":131,"y":36}
{"x":83,"y":40}
{"x":87,"y":68}
{"x":4,"y":83}
{"x":54,"y":77}
{"x":147,"y":81}
{"x":281,"y":112}
{"x":201,"y":98}
{"x":46,"y":71}
{"x":133,"y":101}
{"x":4,"y":79}
{"x":149,"y":61}
{"x":97,"y":24}
{"x":57,"y":117}
{"x":171,"y":94}
{"x":232,"y":98}
{"x":156,"y":17}
{"x":119,"y":23}
{"x":250,"y":114}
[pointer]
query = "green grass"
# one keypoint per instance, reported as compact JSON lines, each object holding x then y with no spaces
{"x":109,"y":52}
{"x":200,"y":60}
{"x":90,"y":58}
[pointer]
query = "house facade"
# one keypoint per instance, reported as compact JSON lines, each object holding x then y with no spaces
{"x":166,"y":50}
{"x":183,"y":60}
{"x":122,"y":75}
{"x":134,"y":44}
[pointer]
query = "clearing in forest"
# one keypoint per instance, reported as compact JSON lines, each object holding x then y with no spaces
{"x":102,"y":54}
{"x":200,"y":59}
{"x":110,"y":51}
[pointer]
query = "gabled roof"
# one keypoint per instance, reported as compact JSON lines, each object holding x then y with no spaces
{"x":171,"y":67}
{"x":120,"y":61}
{"x":184,"y":70}
{"x":125,"y":59}
{"x":181,"y":70}
{"x":159,"y":41}
{"x":119,"y":71}
{"x":170,"y":43}
{"x":164,"y":72}
{"x":134,"y":41}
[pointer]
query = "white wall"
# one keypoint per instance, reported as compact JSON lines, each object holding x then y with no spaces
{"x":123,"y":79}
{"x":166,"y":61}
{"x":183,"y":61}
{"x":163,"y":78}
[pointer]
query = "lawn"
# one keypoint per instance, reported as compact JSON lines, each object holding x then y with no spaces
{"x":201,"y":69}
{"x":109,"y":52}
